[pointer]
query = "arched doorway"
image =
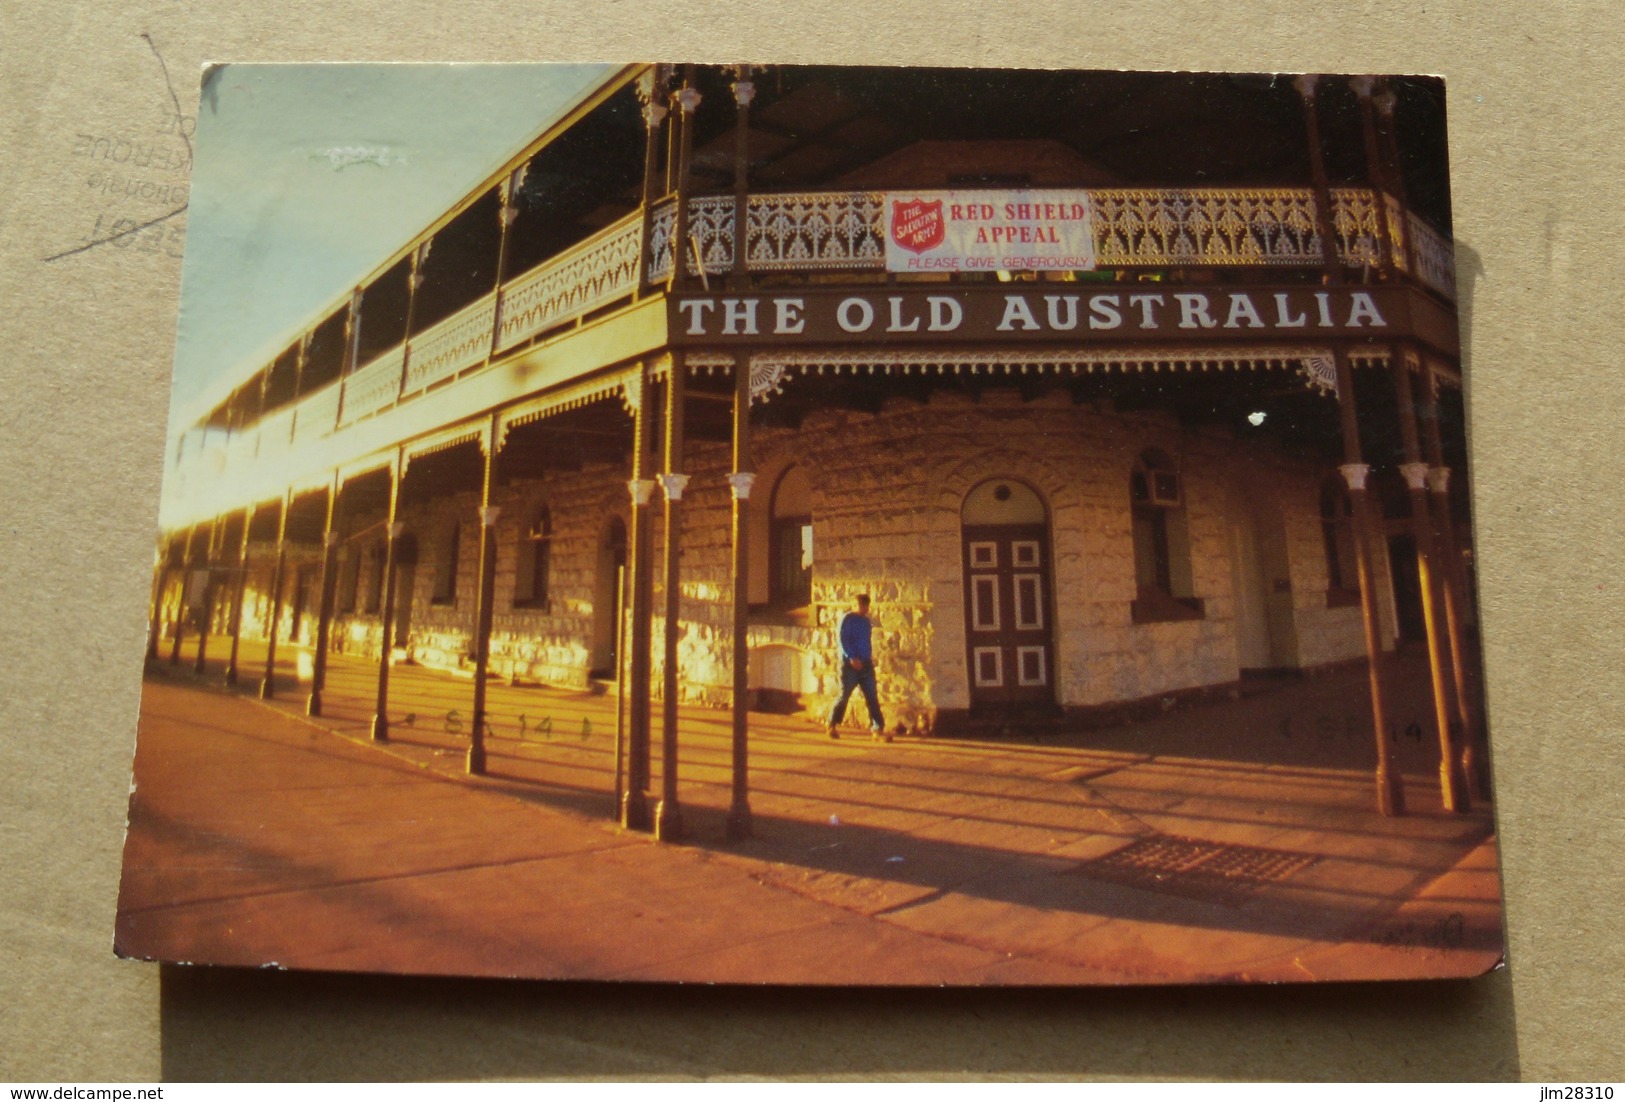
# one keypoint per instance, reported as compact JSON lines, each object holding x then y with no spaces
{"x":609,"y":586}
{"x":1009,"y":637}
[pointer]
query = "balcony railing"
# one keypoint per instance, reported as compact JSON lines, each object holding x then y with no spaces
{"x":375,"y":386}
{"x":584,"y":277}
{"x":1133,"y":227}
{"x":844,"y":231}
{"x":451,"y":345}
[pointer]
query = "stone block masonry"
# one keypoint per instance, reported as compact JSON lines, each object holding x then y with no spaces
{"x":887,"y":491}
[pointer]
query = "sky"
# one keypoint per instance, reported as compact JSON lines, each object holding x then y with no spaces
{"x":306,"y":177}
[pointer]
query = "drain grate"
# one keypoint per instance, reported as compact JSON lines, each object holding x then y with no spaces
{"x":1200,"y":870}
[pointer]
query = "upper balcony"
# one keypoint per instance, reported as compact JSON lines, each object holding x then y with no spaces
{"x":557,"y":241}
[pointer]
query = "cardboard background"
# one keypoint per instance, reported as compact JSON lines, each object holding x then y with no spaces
{"x":85,"y":347}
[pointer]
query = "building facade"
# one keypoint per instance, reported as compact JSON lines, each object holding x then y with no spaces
{"x":1213,"y":439}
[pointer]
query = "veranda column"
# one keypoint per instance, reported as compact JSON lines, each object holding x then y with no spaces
{"x":669,"y":816}
{"x":1452,"y":784}
{"x":180,"y":604}
{"x":1474,"y":745}
{"x":507,"y":212}
{"x":393,"y":532}
{"x":160,"y":583}
{"x":634,"y":660}
{"x":740,"y":480}
{"x":413,"y":281}
{"x":635,"y":799}
{"x":207,"y":612}
{"x":268,"y":685}
{"x":324,"y":611}
{"x":485,"y":600}
{"x":1390,"y":794}
{"x":1375,"y":172}
{"x":237,"y":597}
{"x":652,"y":91}
{"x":1384,"y":101}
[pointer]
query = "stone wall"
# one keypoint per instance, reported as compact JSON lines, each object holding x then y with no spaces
{"x":887,"y":489}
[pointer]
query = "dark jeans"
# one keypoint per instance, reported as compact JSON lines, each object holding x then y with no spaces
{"x":858,"y":679}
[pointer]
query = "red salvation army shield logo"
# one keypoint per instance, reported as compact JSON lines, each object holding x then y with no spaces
{"x":917,"y":225}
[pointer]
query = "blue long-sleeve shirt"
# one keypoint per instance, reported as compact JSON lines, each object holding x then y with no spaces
{"x":856,"y":631}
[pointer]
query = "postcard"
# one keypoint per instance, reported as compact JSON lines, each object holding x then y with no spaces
{"x":784,"y":524}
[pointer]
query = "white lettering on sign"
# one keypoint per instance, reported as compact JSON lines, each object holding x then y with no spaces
{"x":897,"y":324}
{"x":1193,"y":312}
{"x":696,"y":308}
{"x":787,"y":315}
{"x":1147,"y":305}
{"x":946,"y":314}
{"x":1242,"y":307}
{"x":1363,"y":310}
{"x":854,"y":315}
{"x":971,"y":231}
{"x":1019,"y":312}
{"x":737,"y":313}
{"x":1016,"y":310}
{"x":1104,"y":312}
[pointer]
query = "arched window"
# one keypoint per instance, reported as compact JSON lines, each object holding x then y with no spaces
{"x":1337,"y":536}
{"x":1162,"y":551}
{"x":445,"y":567}
{"x":790,"y":542}
{"x":535,"y":560}
{"x":373,"y":602}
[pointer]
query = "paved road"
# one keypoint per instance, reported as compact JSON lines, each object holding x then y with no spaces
{"x":1224,"y":843}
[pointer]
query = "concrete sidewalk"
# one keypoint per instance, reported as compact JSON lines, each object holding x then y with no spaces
{"x":1231,"y":842}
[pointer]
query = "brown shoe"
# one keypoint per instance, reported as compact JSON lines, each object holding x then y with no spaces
{"x":879,"y":734}
{"x":829,"y":729}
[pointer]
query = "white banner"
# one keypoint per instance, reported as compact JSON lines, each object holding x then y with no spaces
{"x":984,"y":231}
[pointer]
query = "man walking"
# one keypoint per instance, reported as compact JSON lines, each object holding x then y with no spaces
{"x":858,"y":670}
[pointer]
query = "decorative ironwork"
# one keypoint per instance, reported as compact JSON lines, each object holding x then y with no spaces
{"x":317,"y":415}
{"x":375,"y":386}
{"x":766,"y":379}
{"x":790,"y":232}
{"x":584,"y":277}
{"x":1134,"y":228}
{"x":1320,"y":368}
{"x":815,"y":230}
{"x":1357,"y":220}
{"x":571,"y":396}
{"x":1396,"y":231}
{"x":1155,"y":226}
{"x":769,"y":371}
{"x":444,"y":440}
{"x":1435,"y":258}
{"x":451,"y":345}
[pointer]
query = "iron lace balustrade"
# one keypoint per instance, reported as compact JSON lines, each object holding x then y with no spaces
{"x":451,"y":345}
{"x":586,"y":276}
{"x":1133,"y":228}
{"x":373,"y":387}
